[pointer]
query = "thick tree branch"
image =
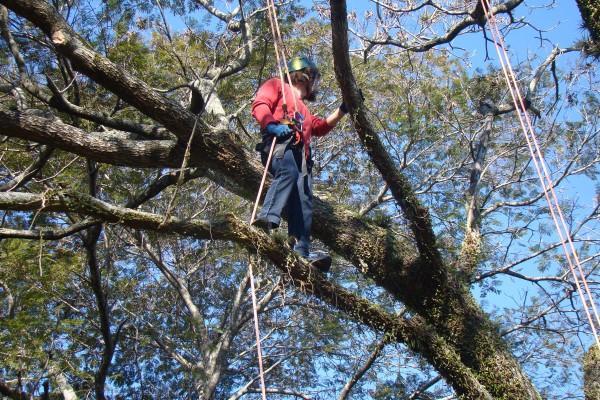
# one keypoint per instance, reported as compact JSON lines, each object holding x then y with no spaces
{"x":415,"y":213}
{"x":444,"y":302}
{"x":590,"y":13}
{"x":43,"y":127}
{"x":414,"y":332}
{"x":15,"y":394}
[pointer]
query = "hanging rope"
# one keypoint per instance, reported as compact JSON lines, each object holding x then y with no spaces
{"x":281,"y":59}
{"x":544,"y":175}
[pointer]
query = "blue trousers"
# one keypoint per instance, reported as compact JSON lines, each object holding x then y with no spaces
{"x":290,"y":193}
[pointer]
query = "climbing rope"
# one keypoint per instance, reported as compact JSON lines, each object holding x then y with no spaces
{"x":281,"y":59}
{"x":543,"y":174}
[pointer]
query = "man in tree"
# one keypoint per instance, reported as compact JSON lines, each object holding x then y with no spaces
{"x":282,"y":114}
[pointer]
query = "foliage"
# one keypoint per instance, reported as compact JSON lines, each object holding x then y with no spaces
{"x":179,"y":307}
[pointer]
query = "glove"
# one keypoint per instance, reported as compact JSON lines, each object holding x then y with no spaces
{"x":280,"y":131}
{"x":344,"y":108}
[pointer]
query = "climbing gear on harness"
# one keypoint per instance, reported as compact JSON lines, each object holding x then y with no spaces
{"x":295,"y":124}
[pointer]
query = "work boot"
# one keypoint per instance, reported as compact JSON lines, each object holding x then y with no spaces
{"x":322,"y":262}
{"x":264,"y":225}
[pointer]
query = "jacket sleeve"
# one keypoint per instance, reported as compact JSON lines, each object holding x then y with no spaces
{"x":320,"y":127}
{"x":265,"y":102}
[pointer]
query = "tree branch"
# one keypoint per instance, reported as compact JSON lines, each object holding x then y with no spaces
{"x":415,"y":213}
{"x":362,"y":370}
{"x":473,"y":19}
{"x":46,"y":234}
{"x":28,"y":173}
{"x":15,"y":394}
{"x":43,"y":127}
{"x":58,"y":101}
{"x":455,"y":304}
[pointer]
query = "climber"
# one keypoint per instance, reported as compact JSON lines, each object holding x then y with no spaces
{"x":291,"y":189}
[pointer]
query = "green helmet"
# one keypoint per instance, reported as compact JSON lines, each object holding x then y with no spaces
{"x":301,"y":62}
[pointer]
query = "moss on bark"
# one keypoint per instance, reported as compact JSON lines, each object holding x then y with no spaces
{"x":590,"y":13}
{"x":591,"y":373}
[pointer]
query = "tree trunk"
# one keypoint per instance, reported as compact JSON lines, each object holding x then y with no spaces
{"x":591,"y":373}
{"x":590,"y":13}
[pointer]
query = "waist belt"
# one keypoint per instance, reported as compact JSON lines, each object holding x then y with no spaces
{"x":280,"y":149}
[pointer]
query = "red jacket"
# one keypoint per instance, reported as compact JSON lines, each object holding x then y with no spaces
{"x":267,"y":108}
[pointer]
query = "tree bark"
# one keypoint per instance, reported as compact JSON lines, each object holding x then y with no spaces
{"x":590,"y":13}
{"x":591,"y":373}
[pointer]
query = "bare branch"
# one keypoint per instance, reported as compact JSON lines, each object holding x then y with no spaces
{"x":65,"y":388}
{"x":362,"y":370}
{"x":90,"y":241}
{"x":223,"y":16}
{"x":10,"y":301}
{"x":8,"y":38}
{"x":379,"y":199}
{"x":28,"y":173}
{"x":179,"y":284}
{"x":451,"y":34}
{"x":47,"y":233}
{"x":418,"y":393}
{"x":163,"y":182}
{"x":58,"y":101}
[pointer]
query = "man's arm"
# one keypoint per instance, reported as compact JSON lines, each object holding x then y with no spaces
{"x":265,"y":102}
{"x":334,"y":117}
{"x":322,"y":126}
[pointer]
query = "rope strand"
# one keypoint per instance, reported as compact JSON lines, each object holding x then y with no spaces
{"x":281,"y":58}
{"x":543,"y":173}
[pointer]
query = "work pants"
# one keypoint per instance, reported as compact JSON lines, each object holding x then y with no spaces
{"x":290,"y":193}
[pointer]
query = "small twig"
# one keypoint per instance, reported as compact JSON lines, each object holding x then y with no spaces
{"x":184,"y":164}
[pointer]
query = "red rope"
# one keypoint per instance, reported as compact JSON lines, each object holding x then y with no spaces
{"x":281,"y":59}
{"x":543,"y":174}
